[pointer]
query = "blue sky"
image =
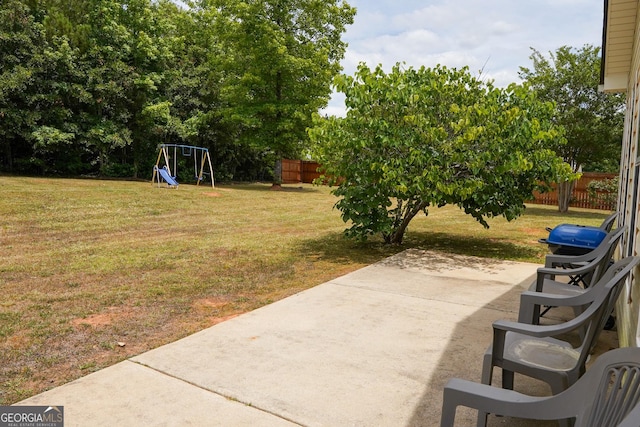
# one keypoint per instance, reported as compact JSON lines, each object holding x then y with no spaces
{"x":489,"y":35}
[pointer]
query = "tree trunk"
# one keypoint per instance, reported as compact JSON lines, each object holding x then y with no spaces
{"x":277,"y":175}
{"x":565,"y":192}
{"x":396,"y":237}
{"x":101,"y":162}
{"x":277,"y":169}
{"x":7,"y":153}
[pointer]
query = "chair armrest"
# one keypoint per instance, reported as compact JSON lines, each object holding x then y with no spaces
{"x":530,"y":303}
{"x":551,"y":259}
{"x":544,"y":272}
{"x":554,"y":300}
{"x":567,"y":271}
{"x":485,"y":398}
{"x":537,"y":331}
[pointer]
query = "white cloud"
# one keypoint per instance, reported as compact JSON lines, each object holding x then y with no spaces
{"x":492,"y":35}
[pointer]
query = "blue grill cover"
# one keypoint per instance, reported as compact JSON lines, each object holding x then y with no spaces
{"x":578,"y":236}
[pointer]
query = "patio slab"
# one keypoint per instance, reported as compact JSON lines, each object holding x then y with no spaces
{"x":371,"y":348}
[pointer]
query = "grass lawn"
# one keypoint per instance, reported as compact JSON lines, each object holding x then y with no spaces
{"x":93,"y":271}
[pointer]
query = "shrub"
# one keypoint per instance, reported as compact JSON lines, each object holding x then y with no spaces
{"x":603,"y":192}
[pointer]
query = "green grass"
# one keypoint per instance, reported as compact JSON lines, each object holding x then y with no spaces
{"x":88,"y":264}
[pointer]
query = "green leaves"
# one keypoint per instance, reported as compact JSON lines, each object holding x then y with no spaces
{"x":285,"y":54}
{"x":592,"y":120}
{"x":86,"y":84}
{"x":414,"y":138}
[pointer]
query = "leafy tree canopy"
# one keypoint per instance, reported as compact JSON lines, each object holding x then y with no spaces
{"x":593,"y":120}
{"x":415,"y":138}
{"x":93,"y":86}
{"x":281,"y":57}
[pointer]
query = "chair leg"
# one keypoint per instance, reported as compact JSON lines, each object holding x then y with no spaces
{"x":559,"y":384}
{"x":565,"y":423}
{"x":487,"y":376}
{"x":529,"y":313}
{"x":487,"y":368}
{"x":507,"y":379}
{"x":535,"y":316}
{"x":482,"y":419}
{"x":545,"y":311}
{"x":448,"y":416}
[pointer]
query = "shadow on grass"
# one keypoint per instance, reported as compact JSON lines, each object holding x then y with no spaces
{"x":578,"y":215}
{"x":338,"y":249}
{"x":266,"y":187}
{"x":474,"y":246}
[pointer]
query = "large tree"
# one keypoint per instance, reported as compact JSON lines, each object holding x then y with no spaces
{"x":593,"y":120}
{"x":281,"y":56}
{"x":92,"y":86}
{"x":22,"y":58}
{"x":425,"y":137}
{"x":38,"y":87}
{"x":128,"y":53}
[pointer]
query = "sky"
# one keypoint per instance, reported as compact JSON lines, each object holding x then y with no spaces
{"x":494,"y":36}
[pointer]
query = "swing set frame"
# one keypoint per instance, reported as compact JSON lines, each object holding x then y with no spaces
{"x":187,"y":151}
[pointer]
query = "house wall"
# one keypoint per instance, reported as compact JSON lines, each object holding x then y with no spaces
{"x":628,"y":307}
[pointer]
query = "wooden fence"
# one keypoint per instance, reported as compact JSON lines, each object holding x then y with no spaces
{"x":297,"y":171}
{"x":580,"y":198}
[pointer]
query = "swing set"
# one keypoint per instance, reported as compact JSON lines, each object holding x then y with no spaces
{"x":164,"y":172}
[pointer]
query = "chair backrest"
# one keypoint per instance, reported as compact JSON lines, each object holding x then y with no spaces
{"x":632,"y":419}
{"x":610,"y":390}
{"x":607,"y":224}
{"x":608,"y":244}
{"x":609,"y":249}
{"x":605,"y":295}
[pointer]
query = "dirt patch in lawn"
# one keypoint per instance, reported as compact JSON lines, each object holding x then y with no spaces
{"x":208,"y":303}
{"x":107,"y":318}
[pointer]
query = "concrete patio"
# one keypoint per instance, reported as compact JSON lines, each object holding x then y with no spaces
{"x":371,"y":348}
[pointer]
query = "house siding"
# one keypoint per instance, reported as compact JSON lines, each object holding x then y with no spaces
{"x":628,"y":306}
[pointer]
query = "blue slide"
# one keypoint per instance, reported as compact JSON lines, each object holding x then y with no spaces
{"x":165,"y":175}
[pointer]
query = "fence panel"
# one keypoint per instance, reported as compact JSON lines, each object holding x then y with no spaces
{"x":296,"y":171}
{"x":310,"y":171}
{"x":291,"y":171}
{"x":580,"y":198}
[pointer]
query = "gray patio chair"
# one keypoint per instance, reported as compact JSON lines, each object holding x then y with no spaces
{"x":632,"y":419}
{"x":530,"y":302}
{"x":541,"y":352}
{"x":546,"y":282}
{"x":607,"y":224}
{"x":578,"y":299}
{"x":573,"y":261}
{"x":603,"y":397}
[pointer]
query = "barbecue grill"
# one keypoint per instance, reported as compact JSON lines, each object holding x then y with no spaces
{"x":568,"y":239}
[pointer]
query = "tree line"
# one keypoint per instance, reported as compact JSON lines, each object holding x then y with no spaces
{"x":93,"y":86}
